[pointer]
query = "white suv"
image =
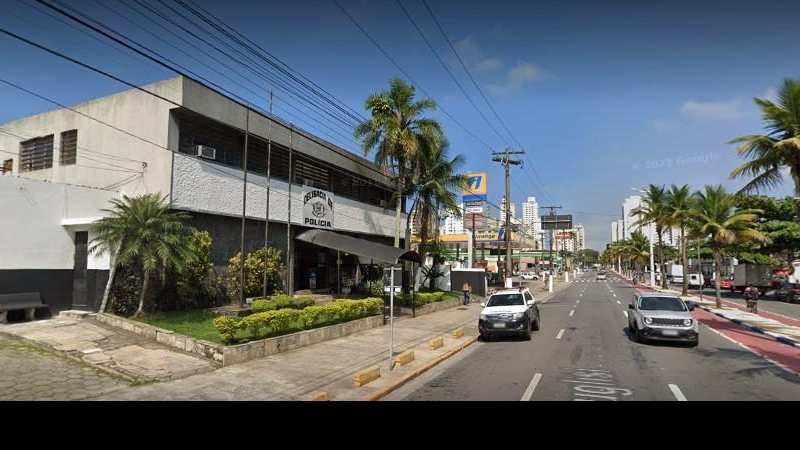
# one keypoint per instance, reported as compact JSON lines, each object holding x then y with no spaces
{"x":509,"y":311}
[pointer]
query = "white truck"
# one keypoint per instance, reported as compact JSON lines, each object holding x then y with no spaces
{"x":675,"y":273}
{"x":760,"y":275}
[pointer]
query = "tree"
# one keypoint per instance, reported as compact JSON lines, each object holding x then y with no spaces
{"x":636,"y":249}
{"x":778,"y":149}
{"x":716,"y":216}
{"x":589,"y":256}
{"x":146,"y":233}
{"x":396,"y":130}
{"x":679,"y":208}
{"x":654,"y":211}
{"x":433,"y":181}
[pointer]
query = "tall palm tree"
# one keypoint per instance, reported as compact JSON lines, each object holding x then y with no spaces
{"x":144,"y":231}
{"x":716,"y":216}
{"x":434,"y":180}
{"x":679,"y":207}
{"x":396,"y":131}
{"x":636,"y":249}
{"x":654,"y":211}
{"x":779,"y":148}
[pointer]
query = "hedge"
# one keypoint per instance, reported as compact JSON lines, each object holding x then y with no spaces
{"x":283,"y":321}
{"x":281,"y":302}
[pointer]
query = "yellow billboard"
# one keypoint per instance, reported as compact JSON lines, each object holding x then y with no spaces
{"x":476,"y":183}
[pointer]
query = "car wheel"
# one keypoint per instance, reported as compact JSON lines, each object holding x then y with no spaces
{"x":637,"y":336}
{"x":484,"y":337}
{"x":538,"y":323}
{"x":528,"y":331}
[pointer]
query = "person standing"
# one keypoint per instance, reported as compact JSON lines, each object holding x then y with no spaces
{"x":467,"y":290}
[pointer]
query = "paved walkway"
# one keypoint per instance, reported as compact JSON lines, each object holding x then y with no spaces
{"x":30,"y":372}
{"x":110,"y":349}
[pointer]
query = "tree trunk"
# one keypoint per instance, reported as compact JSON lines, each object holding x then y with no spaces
{"x":398,"y":208}
{"x":718,"y":271}
{"x":145,"y":285}
{"x":661,"y":258}
{"x":685,"y":262}
{"x":113,"y":261}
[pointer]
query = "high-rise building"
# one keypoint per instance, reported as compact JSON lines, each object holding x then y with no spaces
{"x":531,"y":221}
{"x":453,"y":224}
{"x":503,"y":210}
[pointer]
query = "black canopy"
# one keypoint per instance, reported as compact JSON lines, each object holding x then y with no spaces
{"x":348,"y":244}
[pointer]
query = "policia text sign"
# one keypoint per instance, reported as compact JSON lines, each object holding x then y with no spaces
{"x":318,"y":209}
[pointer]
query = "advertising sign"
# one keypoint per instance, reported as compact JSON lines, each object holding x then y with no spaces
{"x":476,"y":186}
{"x":554,"y":222}
{"x":474,"y":209}
{"x":318,"y":209}
{"x":472,"y":219}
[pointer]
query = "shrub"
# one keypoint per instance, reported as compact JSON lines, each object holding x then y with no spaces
{"x":192,"y":282}
{"x":254,"y":273}
{"x":226,"y":327}
{"x":281,"y":302}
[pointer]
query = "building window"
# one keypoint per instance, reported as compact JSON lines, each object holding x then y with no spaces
{"x":36,"y":154}
{"x":69,"y":147}
{"x":8,"y":166}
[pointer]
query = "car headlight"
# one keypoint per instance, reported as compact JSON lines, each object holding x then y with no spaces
{"x":648,"y":320}
{"x":518,"y":316}
{"x":483,"y":317}
{"x":687,"y":322}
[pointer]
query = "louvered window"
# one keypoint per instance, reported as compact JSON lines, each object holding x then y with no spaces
{"x":36,"y":154}
{"x":69,"y":147}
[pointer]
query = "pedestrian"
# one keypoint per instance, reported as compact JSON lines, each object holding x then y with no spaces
{"x":467,"y":289}
{"x":751,"y":297}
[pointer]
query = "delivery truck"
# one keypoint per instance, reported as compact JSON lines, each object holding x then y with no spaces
{"x":760,"y":275}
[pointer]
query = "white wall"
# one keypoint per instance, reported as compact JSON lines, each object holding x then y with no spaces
{"x":212,"y":188}
{"x":31,"y":231}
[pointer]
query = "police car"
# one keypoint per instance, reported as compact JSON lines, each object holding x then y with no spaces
{"x":509,"y":311}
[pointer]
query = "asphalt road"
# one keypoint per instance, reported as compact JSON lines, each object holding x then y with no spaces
{"x":583,"y":352}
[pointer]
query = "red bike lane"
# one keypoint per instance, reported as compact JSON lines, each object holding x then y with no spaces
{"x":762,"y":345}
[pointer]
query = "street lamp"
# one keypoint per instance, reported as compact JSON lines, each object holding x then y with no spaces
{"x":649,"y":238}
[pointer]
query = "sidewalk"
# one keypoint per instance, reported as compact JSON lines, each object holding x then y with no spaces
{"x":326,"y":370}
{"x":778,"y":330}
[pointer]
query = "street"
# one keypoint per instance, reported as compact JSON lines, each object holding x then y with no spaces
{"x":584,"y":353}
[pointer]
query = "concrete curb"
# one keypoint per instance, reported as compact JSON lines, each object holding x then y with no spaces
{"x":383,"y":392}
{"x":782,"y":339}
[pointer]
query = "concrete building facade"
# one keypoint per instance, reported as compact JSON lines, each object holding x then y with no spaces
{"x":187,"y":143}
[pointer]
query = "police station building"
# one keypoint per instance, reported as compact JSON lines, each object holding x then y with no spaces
{"x":188,"y":145}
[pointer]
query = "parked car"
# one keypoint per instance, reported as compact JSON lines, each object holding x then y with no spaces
{"x":724,"y":283}
{"x":529,"y":276}
{"x":662,"y":317}
{"x":788,"y":292}
{"x":509,"y":311}
{"x":695,"y":280}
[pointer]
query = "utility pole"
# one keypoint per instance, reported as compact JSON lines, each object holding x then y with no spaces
{"x":244,"y":209}
{"x":504,"y":158}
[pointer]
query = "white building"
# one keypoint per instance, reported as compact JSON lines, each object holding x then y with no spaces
{"x":453,"y":224}
{"x":623,"y":228}
{"x":531,"y":220}
{"x":188,"y":145}
{"x":503,"y":210}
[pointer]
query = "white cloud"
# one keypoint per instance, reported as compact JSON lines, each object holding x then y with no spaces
{"x":475,"y":58}
{"x":703,"y":111}
{"x":770,"y":94}
{"x":663,"y":125}
{"x":517,"y":77}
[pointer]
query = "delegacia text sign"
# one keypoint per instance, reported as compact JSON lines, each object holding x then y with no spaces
{"x":318,"y":209}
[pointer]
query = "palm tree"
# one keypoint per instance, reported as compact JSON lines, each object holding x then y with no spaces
{"x":654,"y":211}
{"x":636,"y":249}
{"x":679,"y":207}
{"x":778,"y":149}
{"x":434,"y":180}
{"x":396,"y":130}
{"x":144,"y":231}
{"x":716,"y":216}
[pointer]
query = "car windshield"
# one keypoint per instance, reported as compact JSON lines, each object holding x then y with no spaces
{"x":506,"y":300}
{"x":662,"y":304}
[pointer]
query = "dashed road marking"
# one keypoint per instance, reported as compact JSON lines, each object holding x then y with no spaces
{"x":676,"y":391}
{"x":625,"y":312}
{"x":571,"y":313}
{"x":531,"y":387}
{"x":560,"y":333}
{"x":618,"y":302}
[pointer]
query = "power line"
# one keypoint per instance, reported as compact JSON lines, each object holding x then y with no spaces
{"x":449,"y":72}
{"x":418,"y":86}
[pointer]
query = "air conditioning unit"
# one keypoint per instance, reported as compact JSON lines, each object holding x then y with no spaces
{"x":205,"y":152}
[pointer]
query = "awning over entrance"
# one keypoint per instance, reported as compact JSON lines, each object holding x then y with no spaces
{"x":348,"y":244}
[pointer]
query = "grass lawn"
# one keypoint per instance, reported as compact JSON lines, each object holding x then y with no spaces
{"x":196,"y":324}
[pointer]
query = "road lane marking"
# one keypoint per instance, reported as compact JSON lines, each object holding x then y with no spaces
{"x":529,"y":392}
{"x":764,"y":357}
{"x":560,"y":333}
{"x":571,"y":313}
{"x":625,"y":312}
{"x":618,"y":302}
{"x":676,"y":391}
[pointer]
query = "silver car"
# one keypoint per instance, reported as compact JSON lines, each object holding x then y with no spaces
{"x":662,"y":317}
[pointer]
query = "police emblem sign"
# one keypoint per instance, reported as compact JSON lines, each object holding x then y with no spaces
{"x":318,"y":209}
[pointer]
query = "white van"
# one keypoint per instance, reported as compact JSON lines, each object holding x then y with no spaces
{"x":696,"y":280}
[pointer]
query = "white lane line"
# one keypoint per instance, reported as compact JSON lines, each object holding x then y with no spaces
{"x":676,"y":391}
{"x":571,"y":313}
{"x":578,"y":302}
{"x":625,"y":312}
{"x":529,"y":392}
{"x":618,"y":302}
{"x":766,"y":358}
{"x":560,"y":333}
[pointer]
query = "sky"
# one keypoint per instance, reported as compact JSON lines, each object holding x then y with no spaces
{"x":603,"y":96}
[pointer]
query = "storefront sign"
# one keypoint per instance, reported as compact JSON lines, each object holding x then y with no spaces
{"x":318,"y":209}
